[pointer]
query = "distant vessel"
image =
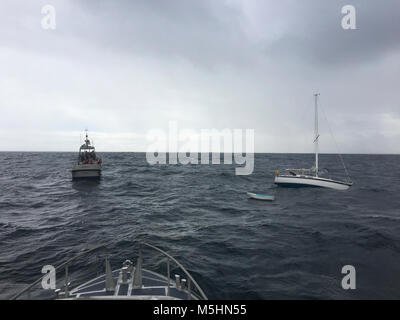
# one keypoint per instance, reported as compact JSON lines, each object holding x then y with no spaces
{"x":89,"y":164}
{"x":131,"y":282}
{"x":310,"y":177}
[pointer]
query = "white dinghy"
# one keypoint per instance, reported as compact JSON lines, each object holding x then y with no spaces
{"x":310,"y":177}
{"x":257,"y":196}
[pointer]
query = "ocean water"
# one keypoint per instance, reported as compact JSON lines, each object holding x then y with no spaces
{"x":236,"y":248}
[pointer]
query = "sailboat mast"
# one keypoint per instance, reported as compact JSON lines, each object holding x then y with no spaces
{"x":316,"y":133}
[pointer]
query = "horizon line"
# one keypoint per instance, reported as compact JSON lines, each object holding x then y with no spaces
{"x":257,"y":152}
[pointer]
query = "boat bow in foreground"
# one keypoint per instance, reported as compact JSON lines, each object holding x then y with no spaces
{"x":131,"y":282}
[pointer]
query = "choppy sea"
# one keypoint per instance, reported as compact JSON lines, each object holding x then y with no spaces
{"x":236,"y":248}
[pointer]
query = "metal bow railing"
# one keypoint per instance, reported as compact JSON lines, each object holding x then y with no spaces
{"x":137,"y":276}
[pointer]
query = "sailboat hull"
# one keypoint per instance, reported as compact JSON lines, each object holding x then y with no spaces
{"x":310,"y":181}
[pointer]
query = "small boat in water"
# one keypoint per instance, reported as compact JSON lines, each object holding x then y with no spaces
{"x":131,"y":282}
{"x":257,"y":196}
{"x":310,"y":177}
{"x":89,"y":164}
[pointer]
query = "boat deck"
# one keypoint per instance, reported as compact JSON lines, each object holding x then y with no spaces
{"x":153,"y":285}
{"x":132,"y":281}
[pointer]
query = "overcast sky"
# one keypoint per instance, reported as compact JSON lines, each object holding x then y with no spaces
{"x":122,"y":68}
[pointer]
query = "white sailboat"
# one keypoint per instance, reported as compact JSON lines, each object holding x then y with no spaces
{"x":310,"y":177}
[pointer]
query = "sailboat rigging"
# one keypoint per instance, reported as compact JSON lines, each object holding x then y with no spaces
{"x":310,"y":177}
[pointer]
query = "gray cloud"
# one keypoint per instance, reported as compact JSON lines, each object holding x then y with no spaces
{"x":316,"y":35}
{"x":122,"y":68}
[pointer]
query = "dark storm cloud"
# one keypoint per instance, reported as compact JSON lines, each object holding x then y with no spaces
{"x":203,"y":32}
{"x":211,"y":31}
{"x":125,"y":67}
{"x":317,"y":37}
